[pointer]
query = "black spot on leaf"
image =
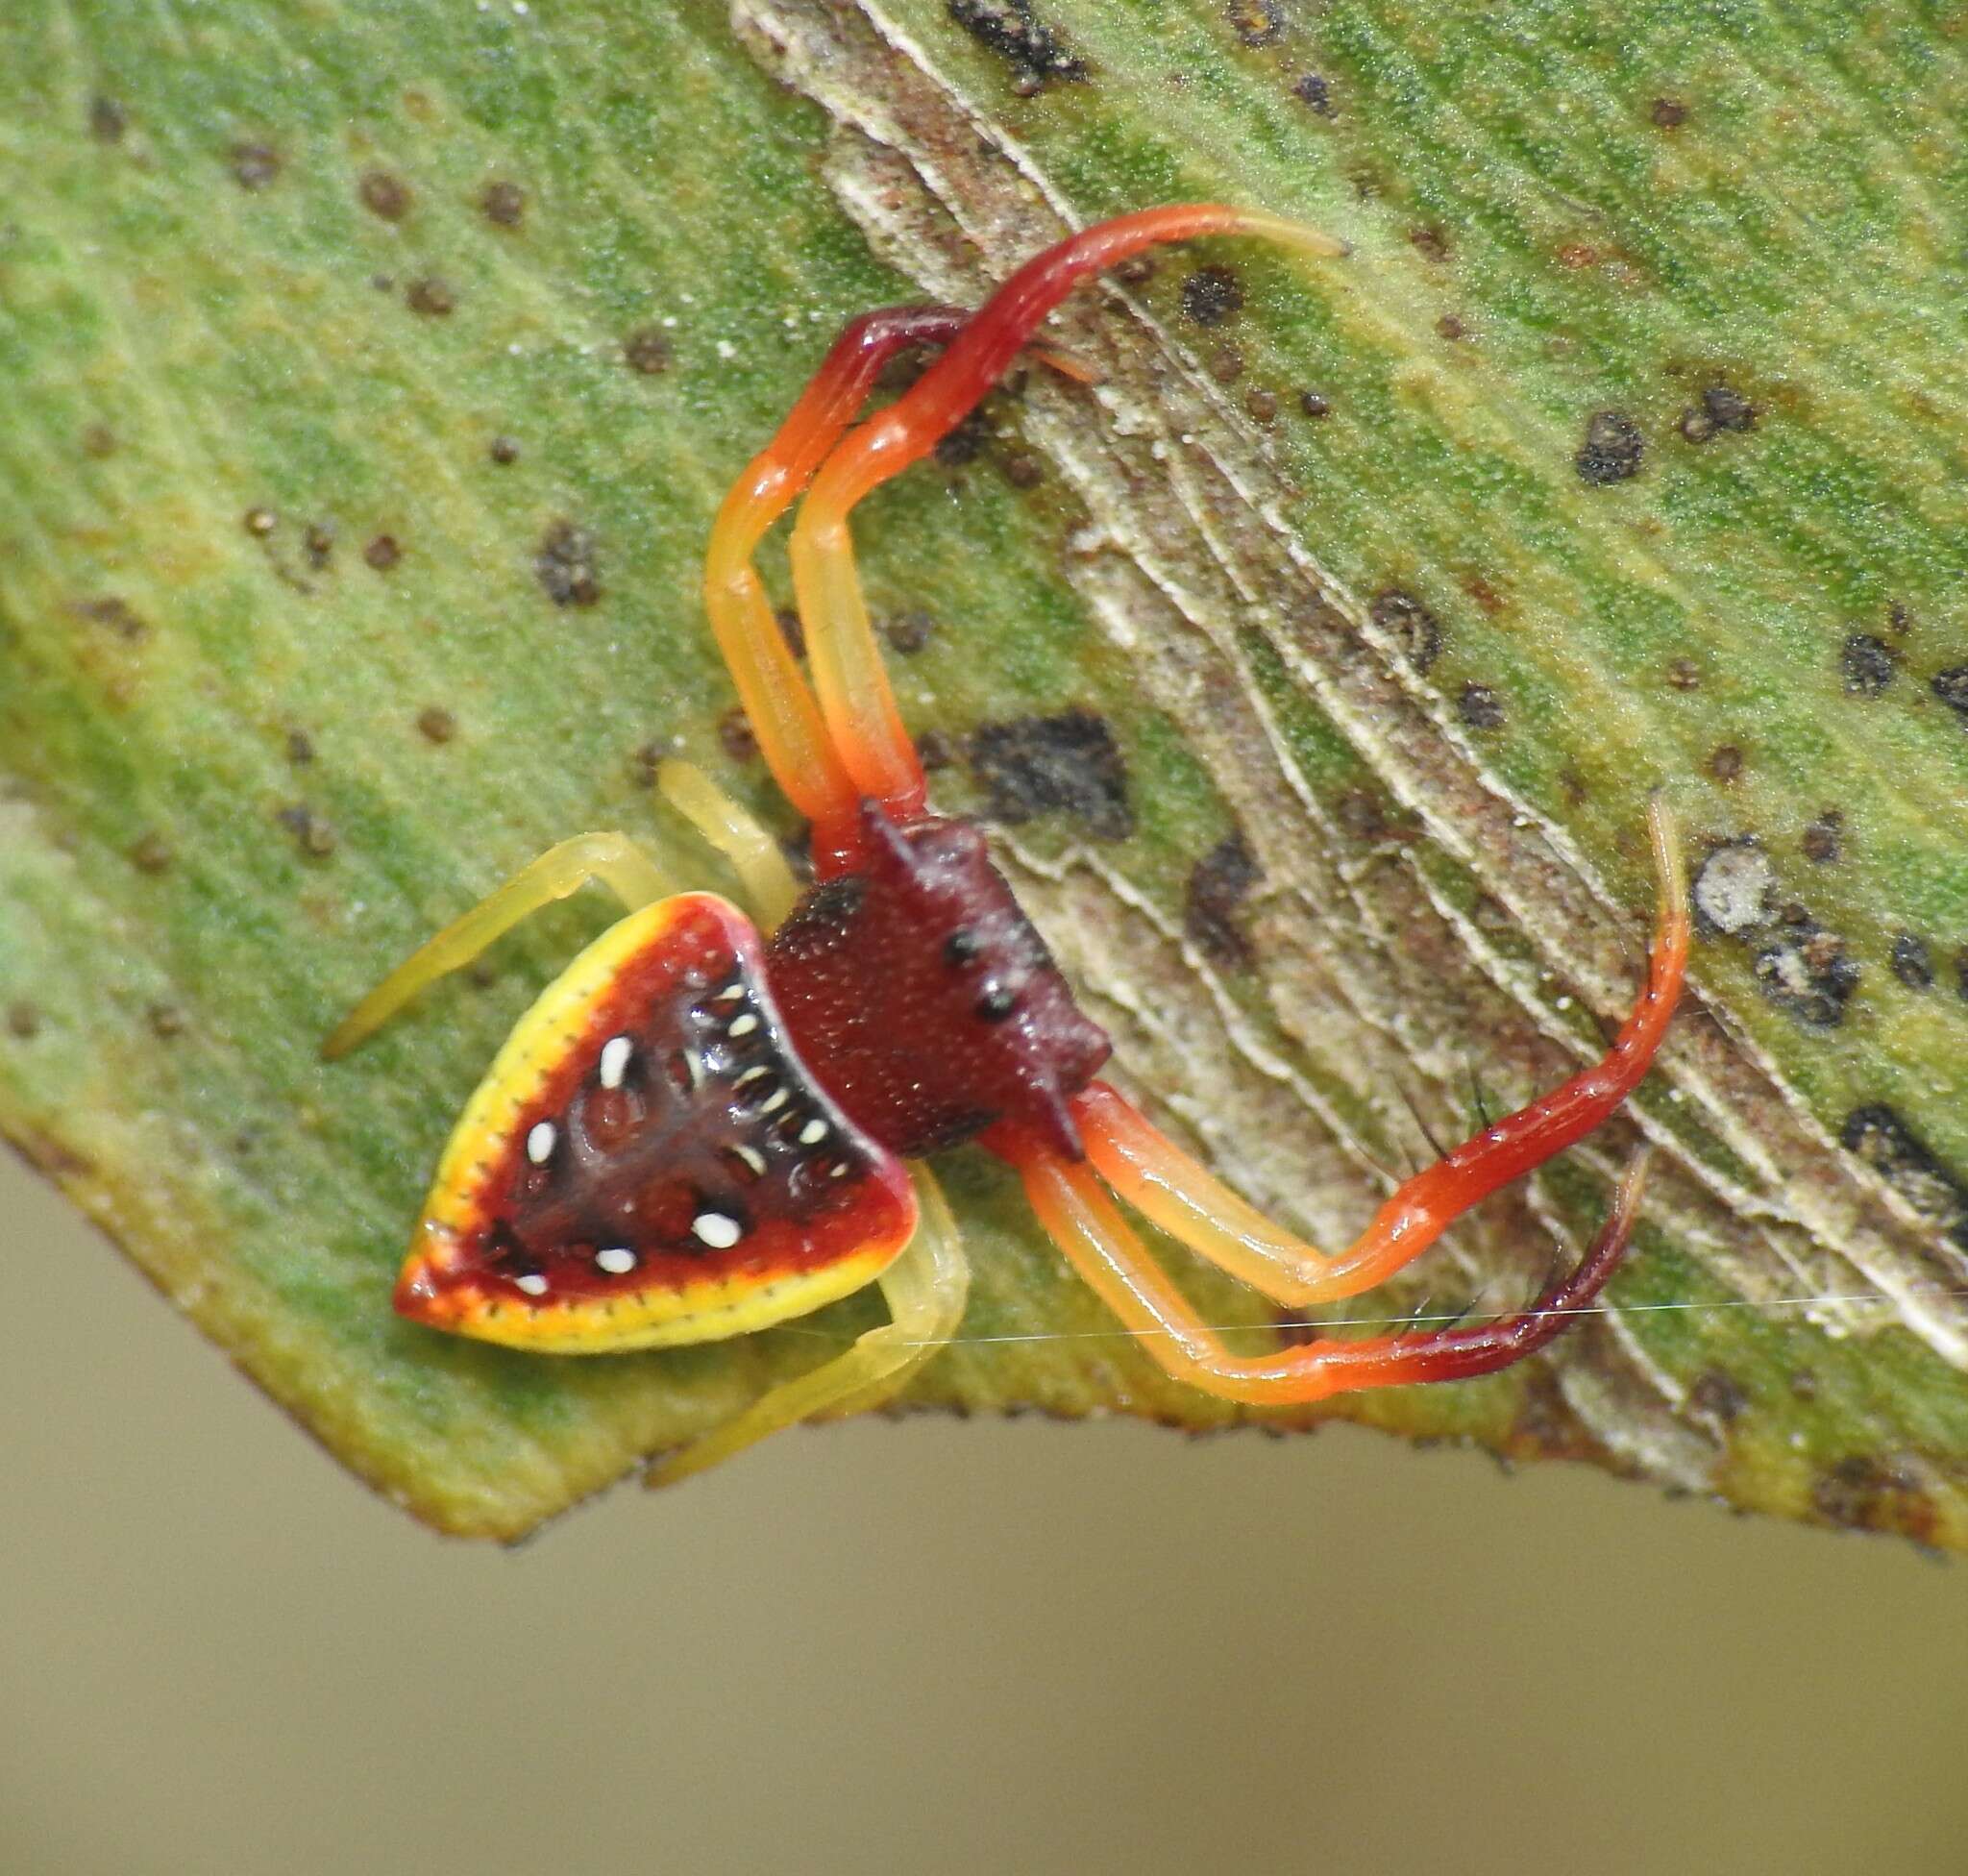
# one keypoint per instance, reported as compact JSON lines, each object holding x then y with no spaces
{"x":565,"y":565}
{"x":1070,"y":764}
{"x":1012,"y":29}
{"x":1217,"y":885}
{"x":1612,"y":449}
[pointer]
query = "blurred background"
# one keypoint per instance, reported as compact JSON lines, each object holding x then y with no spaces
{"x":922,"y":1646}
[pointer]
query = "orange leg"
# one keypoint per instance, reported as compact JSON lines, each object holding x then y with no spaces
{"x":775,"y":698}
{"x":1116,"y":1265}
{"x":1168,"y":1187}
{"x":853,"y":690}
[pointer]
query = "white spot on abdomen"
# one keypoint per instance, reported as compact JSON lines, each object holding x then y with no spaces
{"x":532,"y":1283}
{"x":717,"y":1230}
{"x":615,"y":1054}
{"x":540,"y":1141}
{"x":618,"y":1260}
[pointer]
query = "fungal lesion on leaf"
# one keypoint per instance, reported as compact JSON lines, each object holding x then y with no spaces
{"x":1070,"y":763}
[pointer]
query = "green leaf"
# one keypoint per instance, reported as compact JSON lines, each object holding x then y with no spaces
{"x":372,"y":374}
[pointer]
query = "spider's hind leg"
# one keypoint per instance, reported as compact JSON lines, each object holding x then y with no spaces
{"x":1082,"y":1221}
{"x":610,"y":860}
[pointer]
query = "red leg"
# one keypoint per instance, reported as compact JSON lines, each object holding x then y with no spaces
{"x":847,"y":673}
{"x":1168,"y":1186}
{"x":777,"y":701}
{"x":1075,"y":1210}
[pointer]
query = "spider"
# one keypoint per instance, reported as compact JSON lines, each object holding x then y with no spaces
{"x":709,"y":1125}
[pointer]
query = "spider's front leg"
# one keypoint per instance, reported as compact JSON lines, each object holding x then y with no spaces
{"x":609,"y":859}
{"x":868,"y":740}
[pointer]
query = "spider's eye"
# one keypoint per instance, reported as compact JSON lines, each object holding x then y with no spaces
{"x":962,"y":947}
{"x":997,"y":1004}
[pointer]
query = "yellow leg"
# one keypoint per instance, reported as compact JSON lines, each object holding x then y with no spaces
{"x":614,"y":860}
{"x":925,"y":1289}
{"x":754,"y":855}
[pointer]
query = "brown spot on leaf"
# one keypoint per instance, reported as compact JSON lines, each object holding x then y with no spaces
{"x":735,"y":735}
{"x":116,"y":614}
{"x":1612,"y":449}
{"x":313,"y":835}
{"x":1668,"y":114}
{"x":503,"y":450}
{"x":1262,"y":405}
{"x":1480,"y":707}
{"x":935,"y":752}
{"x":1823,"y":839}
{"x":1431,"y":244}
{"x":1805,"y":972}
{"x":965,"y":442}
{"x":383,"y":553}
{"x":1257,"y":23}
{"x":1022,"y":469}
{"x":1315,"y":93}
{"x":1416,"y":630}
{"x":430,"y":297}
{"x":261,"y":522}
{"x":1726,"y":409}
{"x":646,"y":350}
{"x":502,"y":204}
{"x":1069,"y":763}
{"x":166,"y":1021}
{"x":1868,"y":664}
{"x":436,"y":723}
{"x":1211,"y":295}
{"x":1315,"y":405}
{"x":1684,"y":674}
{"x":909,"y":631}
{"x":1885,"y":1143}
{"x":1217,"y":885}
{"x":1866,"y":1494}
{"x":1371,"y":818}
{"x":1913,"y":961}
{"x":256,"y":166}
{"x":23,"y":1022}
{"x":300,"y":747}
{"x":383,"y":195}
{"x":1717,"y":1396}
{"x":98,"y":440}
{"x":107,"y":120}
{"x":565,"y":565}
{"x":151,"y":855}
{"x":1951,"y":688}
{"x":318,"y":544}
{"x":1726,"y":762}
